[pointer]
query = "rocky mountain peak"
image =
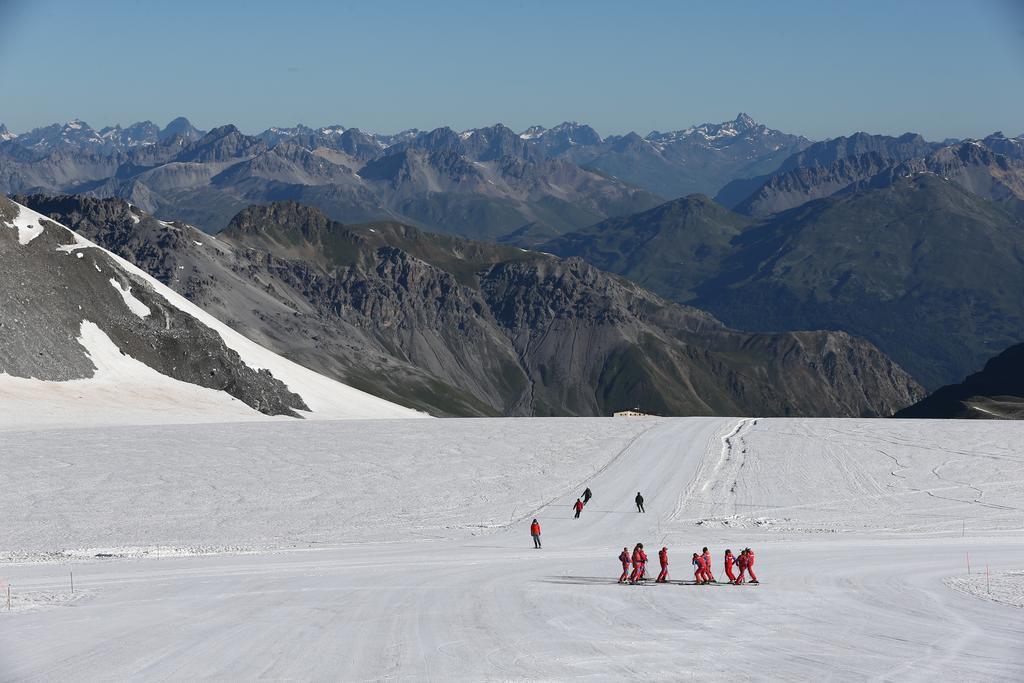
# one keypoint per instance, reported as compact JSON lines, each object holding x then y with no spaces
{"x":744,"y":122}
{"x":180,"y":127}
{"x":288,"y":219}
{"x":221,"y":132}
{"x":532,"y":132}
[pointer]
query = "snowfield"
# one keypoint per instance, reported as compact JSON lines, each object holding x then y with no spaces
{"x":400,"y":550}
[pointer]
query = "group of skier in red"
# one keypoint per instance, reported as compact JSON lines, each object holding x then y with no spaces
{"x":634,"y":565}
{"x":701,"y":564}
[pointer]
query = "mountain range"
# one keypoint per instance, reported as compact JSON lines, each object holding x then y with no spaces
{"x":481,"y":183}
{"x":910,"y":244}
{"x":928,"y":271}
{"x":459,"y":327}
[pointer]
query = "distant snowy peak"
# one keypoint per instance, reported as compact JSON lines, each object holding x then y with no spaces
{"x":1011,"y":147}
{"x":402,"y":136}
{"x":277,"y":134}
{"x":532,"y":132}
{"x":75,"y":133}
{"x":5,"y":134}
{"x":142,"y":133}
{"x":562,"y":138}
{"x":743,"y":126}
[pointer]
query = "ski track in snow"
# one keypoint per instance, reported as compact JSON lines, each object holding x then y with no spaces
{"x":399,"y":549}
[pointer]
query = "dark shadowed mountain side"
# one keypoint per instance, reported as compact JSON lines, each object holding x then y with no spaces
{"x":669,"y":249}
{"x":467,"y":328}
{"x":997,"y":392}
{"x":930,"y":273}
{"x":59,"y":294}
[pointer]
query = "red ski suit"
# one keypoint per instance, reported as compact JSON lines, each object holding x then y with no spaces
{"x":663,"y":559}
{"x":701,"y":572}
{"x":750,"y":566}
{"x":639,"y":561}
{"x":729,"y":562}
{"x":624,"y":559}
{"x":741,"y":562}
{"x":535,"y":529}
{"x":707,"y":562}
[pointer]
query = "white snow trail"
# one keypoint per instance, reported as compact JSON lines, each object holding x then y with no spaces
{"x":839,"y":600}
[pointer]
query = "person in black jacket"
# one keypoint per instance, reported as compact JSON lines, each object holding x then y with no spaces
{"x":587,"y":495}
{"x":639,"y":502}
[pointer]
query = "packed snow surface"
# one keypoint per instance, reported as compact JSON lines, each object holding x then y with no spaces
{"x":400,"y":550}
{"x":121,"y":391}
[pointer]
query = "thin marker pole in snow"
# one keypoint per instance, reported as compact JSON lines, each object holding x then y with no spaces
{"x":968,"y":564}
{"x":988,"y":586}
{"x":72,"y":581}
{"x":8,"y":597}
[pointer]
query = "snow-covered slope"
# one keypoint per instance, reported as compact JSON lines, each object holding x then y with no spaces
{"x":65,"y":303}
{"x":406,"y":555}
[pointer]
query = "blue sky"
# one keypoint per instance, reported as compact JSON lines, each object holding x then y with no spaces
{"x":940,"y":67}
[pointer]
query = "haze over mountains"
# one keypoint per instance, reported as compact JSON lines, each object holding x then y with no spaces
{"x":913,"y":245}
{"x":484,"y":182}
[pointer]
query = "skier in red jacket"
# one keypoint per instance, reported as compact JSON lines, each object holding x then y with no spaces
{"x":535,"y":532}
{"x":750,"y":566}
{"x":624,"y":558}
{"x":729,"y":562}
{"x":707,"y":563}
{"x":663,"y":559}
{"x":741,"y":562}
{"x":700,"y":569}
{"x":639,"y":561}
{"x":578,"y":507}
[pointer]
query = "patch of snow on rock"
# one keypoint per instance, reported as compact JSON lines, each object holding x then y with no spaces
{"x":28,"y":225}
{"x":134,"y":305}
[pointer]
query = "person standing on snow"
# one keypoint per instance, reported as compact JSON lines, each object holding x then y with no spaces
{"x":707,"y":563}
{"x":535,"y":532}
{"x":587,"y":495}
{"x":578,"y":507}
{"x":639,"y":502}
{"x":741,"y":562}
{"x":698,"y":569}
{"x":729,"y":562}
{"x":624,"y":558}
{"x":750,"y":566}
{"x":663,"y":559}
{"x":639,"y":562}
